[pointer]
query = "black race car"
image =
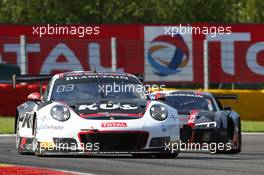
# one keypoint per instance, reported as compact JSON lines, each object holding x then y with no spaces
{"x":204,"y":121}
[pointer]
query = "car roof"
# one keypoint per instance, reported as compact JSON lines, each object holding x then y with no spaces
{"x":79,"y":73}
{"x":91,"y":73}
{"x":185,"y":92}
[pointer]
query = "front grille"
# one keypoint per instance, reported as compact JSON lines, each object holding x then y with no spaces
{"x":116,"y":141}
{"x":159,"y":141}
{"x":66,"y":141}
{"x":64,"y":144}
{"x":210,"y":135}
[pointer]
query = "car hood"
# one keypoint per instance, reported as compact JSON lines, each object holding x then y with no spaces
{"x":201,"y":116}
{"x":112,"y":108}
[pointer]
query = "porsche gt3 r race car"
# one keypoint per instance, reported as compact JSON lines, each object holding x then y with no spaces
{"x":89,"y":112}
{"x":204,"y":121}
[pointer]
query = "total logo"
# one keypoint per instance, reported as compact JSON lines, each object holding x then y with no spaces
{"x":161,"y":65}
{"x":114,"y":124}
{"x":167,"y":58}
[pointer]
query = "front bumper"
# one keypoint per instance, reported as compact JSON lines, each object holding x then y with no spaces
{"x":88,"y":135}
{"x":108,"y":142}
{"x":205,"y":135}
{"x":135,"y":139}
{"x":115,"y":140}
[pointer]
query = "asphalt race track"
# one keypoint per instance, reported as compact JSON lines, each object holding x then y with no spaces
{"x":250,"y":161}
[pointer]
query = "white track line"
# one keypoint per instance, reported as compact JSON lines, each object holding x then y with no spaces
{"x":252,"y":133}
{"x":7,"y":135}
{"x":66,"y":171}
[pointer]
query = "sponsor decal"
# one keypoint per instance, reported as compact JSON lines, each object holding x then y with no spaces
{"x":114,"y":124}
{"x":51,"y":127}
{"x":167,"y":58}
{"x":184,"y":95}
{"x":164,"y":128}
{"x":107,"y":106}
{"x":120,"y":77}
{"x":171,"y":126}
{"x":27,"y":120}
{"x":26,"y":143}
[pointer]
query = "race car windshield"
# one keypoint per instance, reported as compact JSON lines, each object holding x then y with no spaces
{"x":186,"y":102}
{"x":82,"y":92}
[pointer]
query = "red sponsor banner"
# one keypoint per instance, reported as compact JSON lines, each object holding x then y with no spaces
{"x":64,"y":52}
{"x":237,"y":57}
{"x":51,"y":53}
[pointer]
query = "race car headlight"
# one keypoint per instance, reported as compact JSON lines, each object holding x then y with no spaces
{"x":60,"y":113}
{"x":158,"y":112}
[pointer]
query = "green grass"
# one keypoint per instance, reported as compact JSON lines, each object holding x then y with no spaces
{"x":7,"y":125}
{"x":252,"y":126}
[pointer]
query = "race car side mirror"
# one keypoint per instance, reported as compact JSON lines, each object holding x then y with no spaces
{"x":160,"y":97}
{"x":35,"y":96}
{"x":227,"y":108}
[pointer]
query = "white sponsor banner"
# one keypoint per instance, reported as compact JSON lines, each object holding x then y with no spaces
{"x":167,"y":57}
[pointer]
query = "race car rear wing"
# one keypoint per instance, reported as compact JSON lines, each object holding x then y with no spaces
{"x":226,"y":96}
{"x":30,"y":79}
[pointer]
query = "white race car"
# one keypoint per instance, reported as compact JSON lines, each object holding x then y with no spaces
{"x":89,"y":112}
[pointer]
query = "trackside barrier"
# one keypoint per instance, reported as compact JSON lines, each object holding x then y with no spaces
{"x":250,"y":103}
{"x":10,"y":98}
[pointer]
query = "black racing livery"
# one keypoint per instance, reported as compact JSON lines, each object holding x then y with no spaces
{"x":204,"y":119}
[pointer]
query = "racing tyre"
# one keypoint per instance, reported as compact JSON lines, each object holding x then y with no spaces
{"x":238,"y":141}
{"x":18,"y":138}
{"x":236,"y":147}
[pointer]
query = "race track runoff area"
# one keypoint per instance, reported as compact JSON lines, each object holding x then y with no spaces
{"x":249,"y":161}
